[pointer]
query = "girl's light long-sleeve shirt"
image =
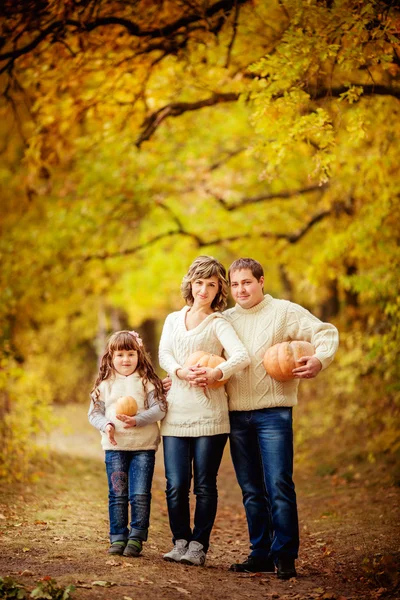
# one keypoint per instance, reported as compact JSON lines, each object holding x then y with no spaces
{"x":145,"y":436}
{"x":193,"y":411}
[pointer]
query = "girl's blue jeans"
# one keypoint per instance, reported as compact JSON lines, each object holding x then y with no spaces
{"x":200,"y":456}
{"x":261,"y":444}
{"x":130,"y":474}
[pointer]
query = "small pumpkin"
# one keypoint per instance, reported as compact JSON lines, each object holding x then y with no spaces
{"x":205,"y":359}
{"x":280,"y":359}
{"x":126,"y":405}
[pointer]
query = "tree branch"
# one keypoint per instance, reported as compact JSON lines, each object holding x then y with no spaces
{"x":132,"y":28}
{"x":292,"y":238}
{"x":368,"y":90}
{"x":286,"y":194}
{"x":175,"y":109}
{"x":234,"y":32}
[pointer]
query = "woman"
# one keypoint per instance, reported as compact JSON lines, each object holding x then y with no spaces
{"x":196,"y":427}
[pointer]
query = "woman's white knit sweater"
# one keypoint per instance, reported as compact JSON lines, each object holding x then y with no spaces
{"x":270,"y":322}
{"x":193,"y":412}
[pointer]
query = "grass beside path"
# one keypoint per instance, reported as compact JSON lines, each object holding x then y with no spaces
{"x":58,"y":528}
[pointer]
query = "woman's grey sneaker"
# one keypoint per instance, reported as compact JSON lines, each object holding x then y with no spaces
{"x":195,"y":555}
{"x":177,"y":551}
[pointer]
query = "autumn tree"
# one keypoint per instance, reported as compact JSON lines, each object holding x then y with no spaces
{"x":136,"y":135}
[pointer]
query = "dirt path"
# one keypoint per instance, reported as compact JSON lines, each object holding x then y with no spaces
{"x":58,"y":527}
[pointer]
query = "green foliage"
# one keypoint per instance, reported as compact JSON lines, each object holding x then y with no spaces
{"x":46,"y":589}
{"x":10,"y":589}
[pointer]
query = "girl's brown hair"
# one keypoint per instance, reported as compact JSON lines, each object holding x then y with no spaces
{"x":126,"y":340}
{"x":203,"y":268}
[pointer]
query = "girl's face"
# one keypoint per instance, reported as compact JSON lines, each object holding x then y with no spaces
{"x":204,"y":291}
{"x":125,"y":361}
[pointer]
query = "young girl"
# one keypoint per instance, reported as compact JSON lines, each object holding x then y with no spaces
{"x":129,"y":442}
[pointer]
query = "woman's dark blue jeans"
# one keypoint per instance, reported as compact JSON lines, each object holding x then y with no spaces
{"x":130,"y":474}
{"x":202,"y":457}
{"x":262,"y":453}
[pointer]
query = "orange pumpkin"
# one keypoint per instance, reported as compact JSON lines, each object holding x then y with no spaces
{"x":126,"y":405}
{"x":280,"y":359}
{"x":205,"y":359}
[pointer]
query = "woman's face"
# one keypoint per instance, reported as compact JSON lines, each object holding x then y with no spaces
{"x":204,"y":291}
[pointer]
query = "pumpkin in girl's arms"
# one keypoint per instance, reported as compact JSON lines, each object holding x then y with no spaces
{"x":205,"y":359}
{"x":126,"y":405}
{"x":280,"y":359}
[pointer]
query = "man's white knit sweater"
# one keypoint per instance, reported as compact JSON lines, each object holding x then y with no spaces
{"x":267,"y":323}
{"x":193,"y":412}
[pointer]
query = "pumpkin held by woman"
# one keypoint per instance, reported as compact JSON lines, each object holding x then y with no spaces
{"x":205,"y":359}
{"x":280,"y":359}
{"x":126,"y":405}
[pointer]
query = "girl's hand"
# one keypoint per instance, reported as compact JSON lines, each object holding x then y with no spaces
{"x":128,"y":421}
{"x":110,"y":430}
{"x":206,"y":376}
{"x":189,"y":374}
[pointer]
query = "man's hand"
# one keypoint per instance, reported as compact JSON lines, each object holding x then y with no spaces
{"x":128,"y":421}
{"x":110,"y":430}
{"x":311,"y":367}
{"x":167,"y":382}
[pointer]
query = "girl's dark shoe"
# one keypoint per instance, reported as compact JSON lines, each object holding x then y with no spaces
{"x":133,"y":548}
{"x":117,"y":548}
{"x":253,"y":564}
{"x":286,"y":568}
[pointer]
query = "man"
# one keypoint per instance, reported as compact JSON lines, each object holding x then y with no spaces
{"x":261,"y":437}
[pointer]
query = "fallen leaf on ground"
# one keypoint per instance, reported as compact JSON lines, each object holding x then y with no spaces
{"x":112,"y":562}
{"x":182,"y":590}
{"x":104,"y":583}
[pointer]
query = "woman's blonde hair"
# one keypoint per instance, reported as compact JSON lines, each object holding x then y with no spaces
{"x":205,"y":267}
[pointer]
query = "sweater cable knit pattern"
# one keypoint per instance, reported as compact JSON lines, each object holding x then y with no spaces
{"x":192,"y":411}
{"x":270,"y":322}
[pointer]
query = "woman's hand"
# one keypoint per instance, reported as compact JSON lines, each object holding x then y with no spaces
{"x":110,"y":430}
{"x":190,"y":374}
{"x":128,"y":421}
{"x":206,"y":376}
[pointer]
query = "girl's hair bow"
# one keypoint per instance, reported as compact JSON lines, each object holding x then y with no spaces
{"x":137,"y":336}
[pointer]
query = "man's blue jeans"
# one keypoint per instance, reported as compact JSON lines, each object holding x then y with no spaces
{"x":262,"y":453}
{"x":202,"y":455}
{"x":130,"y":474}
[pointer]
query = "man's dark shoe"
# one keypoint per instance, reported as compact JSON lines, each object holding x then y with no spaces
{"x":286,"y":568}
{"x":253,"y":564}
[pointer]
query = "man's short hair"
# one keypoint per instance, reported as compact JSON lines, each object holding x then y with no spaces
{"x":246,"y":263}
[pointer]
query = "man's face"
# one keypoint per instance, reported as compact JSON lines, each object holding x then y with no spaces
{"x":246,"y":290}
